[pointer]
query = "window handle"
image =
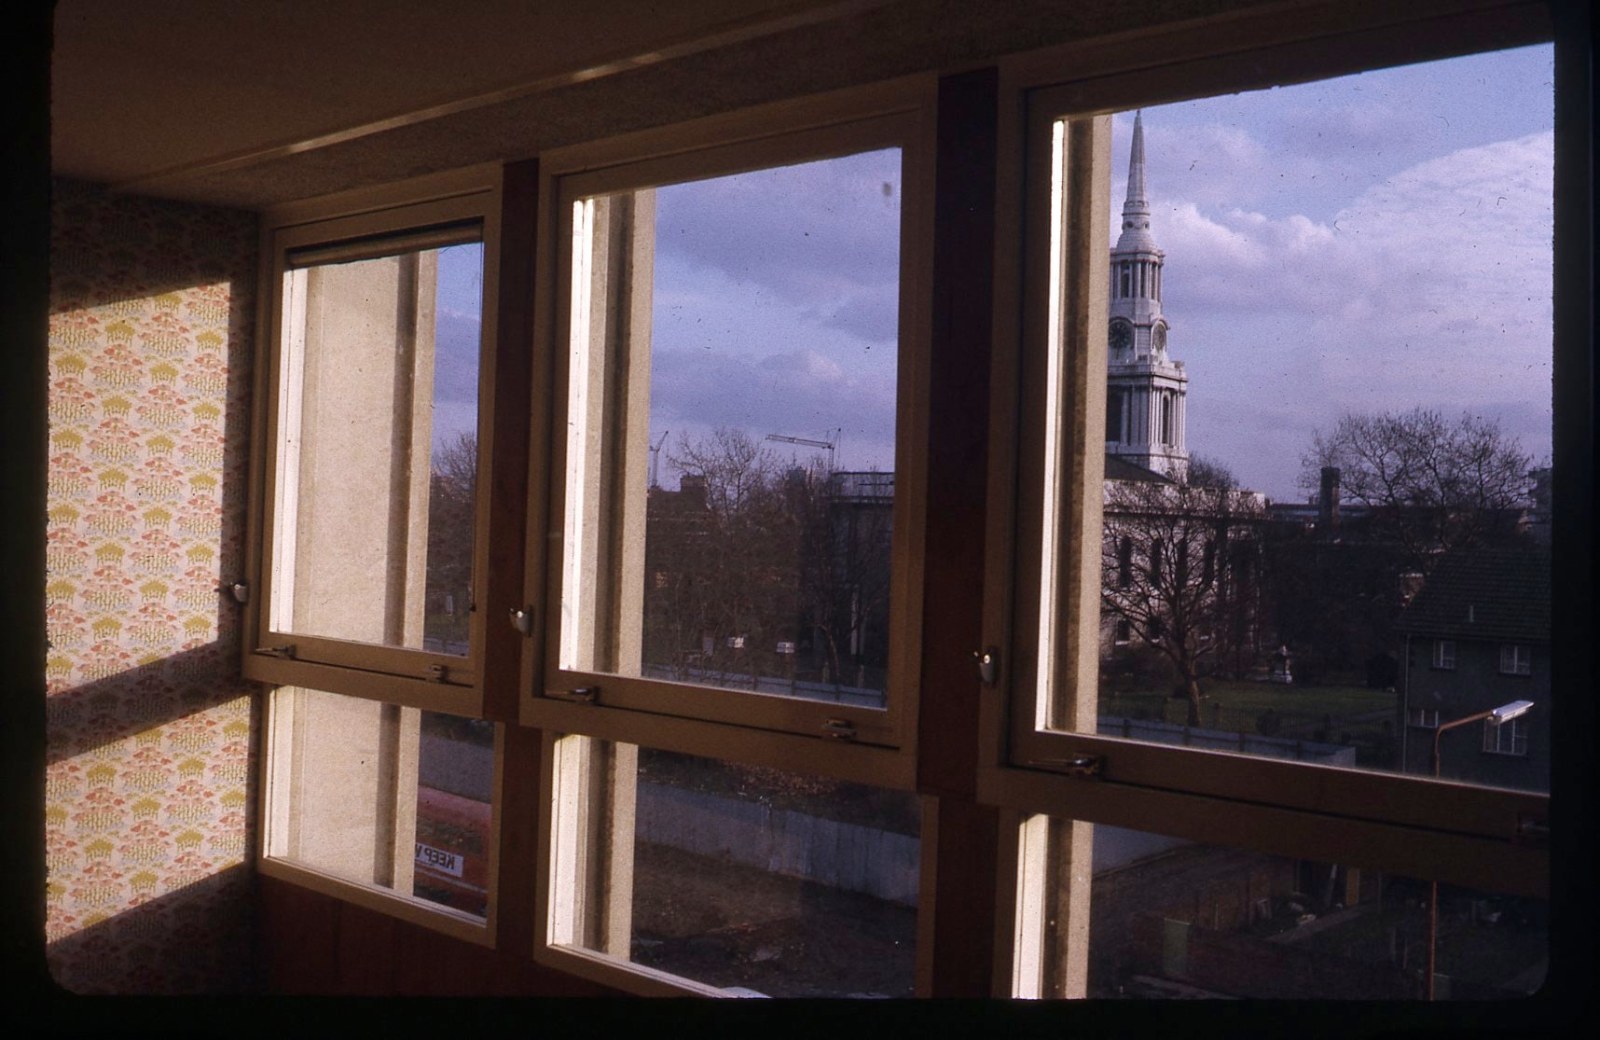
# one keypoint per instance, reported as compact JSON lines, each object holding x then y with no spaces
{"x":285,"y":650}
{"x":522,"y":620}
{"x":988,"y":664}
{"x":1078,"y":765}
{"x":581,"y":694}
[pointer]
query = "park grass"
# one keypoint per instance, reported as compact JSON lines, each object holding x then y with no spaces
{"x":1337,"y":714}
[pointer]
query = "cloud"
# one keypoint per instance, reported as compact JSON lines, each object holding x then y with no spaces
{"x":822,"y":234}
{"x":799,"y":393}
{"x":1431,"y":287}
{"x":455,"y":375}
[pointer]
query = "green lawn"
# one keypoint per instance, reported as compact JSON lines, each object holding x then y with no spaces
{"x":1337,"y":714}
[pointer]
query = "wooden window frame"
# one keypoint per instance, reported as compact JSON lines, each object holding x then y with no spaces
{"x":358,"y":226}
{"x":355,"y":225}
{"x":1032,"y":764}
{"x":889,"y":115}
{"x":586,"y":743}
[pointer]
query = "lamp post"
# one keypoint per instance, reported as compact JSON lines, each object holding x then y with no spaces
{"x":1495,"y":717}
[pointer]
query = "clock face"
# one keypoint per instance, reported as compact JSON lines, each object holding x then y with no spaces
{"x":1121,"y":336}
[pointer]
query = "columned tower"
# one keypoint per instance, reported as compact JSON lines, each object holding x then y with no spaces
{"x":1145,"y":389}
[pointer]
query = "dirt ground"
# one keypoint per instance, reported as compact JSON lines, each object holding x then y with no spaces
{"x":731,"y":925}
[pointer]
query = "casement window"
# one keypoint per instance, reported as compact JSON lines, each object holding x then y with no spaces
{"x":1516,"y":659}
{"x":1444,"y":654}
{"x":1248,"y":797}
{"x":734,"y":331}
{"x":368,"y":563}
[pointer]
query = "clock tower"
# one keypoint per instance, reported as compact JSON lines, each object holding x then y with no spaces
{"x":1145,"y":388}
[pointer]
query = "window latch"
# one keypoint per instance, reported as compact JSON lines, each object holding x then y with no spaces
{"x":285,"y":651}
{"x":522,"y":620}
{"x":238,"y":590}
{"x":581,"y":694}
{"x":988,"y":664}
{"x":1085,"y":766}
{"x":438,"y":673}
{"x":839,"y":729}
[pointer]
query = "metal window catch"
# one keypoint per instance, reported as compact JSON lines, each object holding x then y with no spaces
{"x":285,"y":651}
{"x":238,"y":590}
{"x":522,"y":620}
{"x":438,"y":673}
{"x":988,"y":664}
{"x":839,"y":729}
{"x":1086,"y":766}
{"x":581,"y":694}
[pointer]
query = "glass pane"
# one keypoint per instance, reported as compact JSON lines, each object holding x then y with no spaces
{"x":755,"y":880}
{"x":1328,"y":422}
{"x":455,"y":795}
{"x":1175,"y":919}
{"x":381,"y":795}
{"x":377,"y":453}
{"x":731,"y":419}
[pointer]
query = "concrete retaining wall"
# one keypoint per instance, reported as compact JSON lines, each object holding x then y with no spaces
{"x":848,"y":856}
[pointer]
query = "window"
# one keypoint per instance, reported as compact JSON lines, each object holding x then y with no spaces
{"x":1444,"y":654}
{"x":1219,"y":745}
{"x":1508,"y":738}
{"x":1423,"y":718}
{"x":371,"y":561}
{"x":732,"y":368}
{"x":732,"y":329}
{"x":365,"y":608}
{"x":1516,"y":659}
{"x":383,"y":797}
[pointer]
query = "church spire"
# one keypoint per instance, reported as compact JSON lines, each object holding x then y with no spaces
{"x":1136,"y":203}
{"x":1136,"y":207}
{"x":1145,"y":388}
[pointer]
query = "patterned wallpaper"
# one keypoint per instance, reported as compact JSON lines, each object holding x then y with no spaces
{"x":148,"y":785}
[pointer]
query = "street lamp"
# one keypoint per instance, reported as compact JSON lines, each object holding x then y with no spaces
{"x":1494,"y":717}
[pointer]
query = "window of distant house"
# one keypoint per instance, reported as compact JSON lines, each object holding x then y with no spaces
{"x":1444,"y":654}
{"x":1423,"y":718}
{"x":1516,"y":659}
{"x":1508,"y":738}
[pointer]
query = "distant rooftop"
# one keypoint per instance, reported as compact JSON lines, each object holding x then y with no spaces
{"x":1491,"y":594}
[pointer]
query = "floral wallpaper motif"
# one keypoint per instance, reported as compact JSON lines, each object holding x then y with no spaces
{"x":148,"y":796}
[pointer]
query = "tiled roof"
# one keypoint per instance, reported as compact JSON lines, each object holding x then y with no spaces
{"x":1495,"y":594}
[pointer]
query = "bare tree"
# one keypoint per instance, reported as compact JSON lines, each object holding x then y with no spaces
{"x":1207,"y":472}
{"x":1177,"y":569}
{"x":751,"y":553}
{"x":452,"y":488}
{"x":1433,"y":485}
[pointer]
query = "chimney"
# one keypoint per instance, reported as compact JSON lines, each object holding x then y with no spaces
{"x":1328,"y":514}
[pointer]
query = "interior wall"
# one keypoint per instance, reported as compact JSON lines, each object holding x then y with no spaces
{"x":148,"y":790}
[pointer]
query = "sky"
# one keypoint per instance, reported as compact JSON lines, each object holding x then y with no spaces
{"x":1372,"y":243}
{"x":776,"y":309}
{"x":1375,"y":242}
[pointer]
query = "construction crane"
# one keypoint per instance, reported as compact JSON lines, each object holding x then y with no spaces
{"x":807,"y":442}
{"x":655,"y":459}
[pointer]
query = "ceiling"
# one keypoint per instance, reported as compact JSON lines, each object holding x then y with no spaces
{"x":255,"y":102}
